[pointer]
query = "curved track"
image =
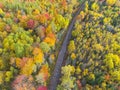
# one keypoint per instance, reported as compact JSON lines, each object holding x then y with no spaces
{"x":56,"y":73}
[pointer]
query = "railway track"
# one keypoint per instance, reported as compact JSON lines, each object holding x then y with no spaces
{"x":54,"y":80}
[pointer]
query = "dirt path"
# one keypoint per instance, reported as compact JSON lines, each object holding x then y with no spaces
{"x":56,"y":73}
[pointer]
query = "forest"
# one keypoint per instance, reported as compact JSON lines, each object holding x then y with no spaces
{"x":59,"y":44}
